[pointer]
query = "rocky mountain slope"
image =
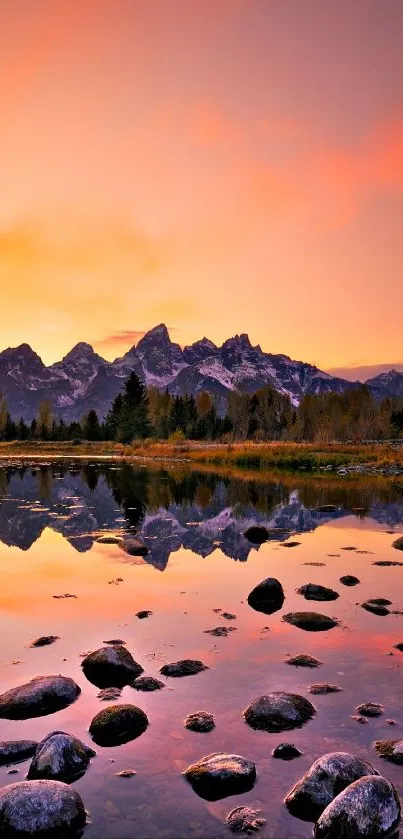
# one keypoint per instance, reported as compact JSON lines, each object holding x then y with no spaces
{"x":84,"y":380}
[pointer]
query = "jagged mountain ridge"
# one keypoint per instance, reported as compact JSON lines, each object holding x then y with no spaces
{"x":84,"y":380}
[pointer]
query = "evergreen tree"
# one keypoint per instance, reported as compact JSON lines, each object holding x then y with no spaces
{"x":91,"y":426}
{"x":133,"y":420}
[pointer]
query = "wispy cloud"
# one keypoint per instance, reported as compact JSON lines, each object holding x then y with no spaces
{"x":362,"y":372}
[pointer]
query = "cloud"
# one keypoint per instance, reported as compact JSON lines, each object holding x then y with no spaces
{"x":126,"y":337}
{"x":362,"y":372}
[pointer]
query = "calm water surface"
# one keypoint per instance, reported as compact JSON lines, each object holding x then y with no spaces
{"x":50,"y":520}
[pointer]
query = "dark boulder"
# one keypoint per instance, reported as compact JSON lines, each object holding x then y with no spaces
{"x":286,"y":751}
{"x":184,"y":667}
{"x":111,"y":666}
{"x":43,"y":809}
{"x":200,"y":721}
{"x":267,"y":596}
{"x":118,"y":724}
{"x":60,"y":757}
{"x":311,"y":591}
{"x":310,"y":621}
{"x":14,"y":751}
{"x":279,"y":711}
{"x":368,"y":809}
{"x":349,"y":580}
{"x":219,"y":775}
{"x":42,"y":695}
{"x":325,"y":779}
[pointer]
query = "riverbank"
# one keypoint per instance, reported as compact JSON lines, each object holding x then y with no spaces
{"x":331,"y":458}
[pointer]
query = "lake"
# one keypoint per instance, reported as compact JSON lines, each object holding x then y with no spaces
{"x":198,"y":562}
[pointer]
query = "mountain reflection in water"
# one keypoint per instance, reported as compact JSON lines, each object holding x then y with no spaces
{"x":169,"y":510}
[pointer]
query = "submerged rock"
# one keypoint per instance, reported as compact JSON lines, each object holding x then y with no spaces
{"x":390,"y":749}
{"x":41,"y":808}
{"x":229,"y":616}
{"x":42,"y":695}
{"x":200,"y":721}
{"x":14,"y":751}
{"x":147,"y":683}
{"x":267,"y":596}
{"x":279,"y":711}
{"x":398,"y":543}
{"x":370,"y":709}
{"x":325,"y":779}
{"x":310,"y":621}
{"x":349,"y":580}
{"x":44,"y":640}
{"x":143,"y":613}
{"x":220,"y":631}
{"x":60,"y":757}
{"x":257,"y":534}
{"x":387,"y":563}
{"x":118,"y":724}
{"x":245,"y":820}
{"x":220,"y":774}
{"x":107,"y":694}
{"x":126,"y":773}
{"x":111,"y":666}
{"x":311,"y":591}
{"x":375,"y":608}
{"x":290,"y":544}
{"x":303,"y":660}
{"x":322,"y":688}
{"x":286,"y":751}
{"x":368,"y":809}
{"x":184,"y":667}
{"x":109,"y":540}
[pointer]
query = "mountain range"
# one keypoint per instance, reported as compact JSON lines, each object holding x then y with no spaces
{"x":84,"y":380}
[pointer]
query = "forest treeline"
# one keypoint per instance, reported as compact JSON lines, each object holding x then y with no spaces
{"x":139,"y":413}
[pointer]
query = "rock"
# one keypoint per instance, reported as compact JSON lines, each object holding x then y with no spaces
{"x":200,"y":721}
{"x":107,"y":694}
{"x":185,"y":667}
{"x":387,"y":563}
{"x":133,"y":547}
{"x":326,"y":778}
{"x":245,"y":820}
{"x":390,"y":749}
{"x":41,"y":808}
{"x":64,"y":596}
{"x":398,"y":544}
{"x":359,"y":718}
{"x":316,"y":564}
{"x":311,"y":591}
{"x":368,"y":809}
{"x":147,"y":683}
{"x":109,"y":540}
{"x":380,"y":601}
{"x":267,"y":596}
{"x":310,"y":621}
{"x":114,"y":641}
{"x":322,"y":688}
{"x":220,"y":631}
{"x":279,"y":711}
{"x":219,"y":775}
{"x":349,"y":580}
{"x":375,"y":608}
{"x":144,"y":613}
{"x":42,"y":695}
{"x":399,"y":647}
{"x":257,"y":534}
{"x":303,"y":660}
{"x":327,"y":508}
{"x":118,"y":724}
{"x":286,"y":751}
{"x":60,"y":757}
{"x":126,"y":773}
{"x":14,"y":751}
{"x":289,"y":544}
{"x":349,"y":548}
{"x":229,"y":616}
{"x":44,"y":640}
{"x":370,"y":709}
{"x":111,"y":666}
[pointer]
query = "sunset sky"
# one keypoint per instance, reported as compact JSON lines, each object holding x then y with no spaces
{"x":223,"y":166}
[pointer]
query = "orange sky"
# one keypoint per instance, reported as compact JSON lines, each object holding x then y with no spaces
{"x":220,"y":165}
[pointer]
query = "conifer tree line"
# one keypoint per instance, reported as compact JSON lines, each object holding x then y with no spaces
{"x":139,"y":413}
